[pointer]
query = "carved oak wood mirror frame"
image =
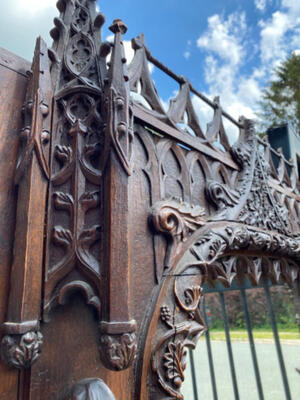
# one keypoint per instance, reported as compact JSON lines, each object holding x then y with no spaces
{"x":118,"y":202}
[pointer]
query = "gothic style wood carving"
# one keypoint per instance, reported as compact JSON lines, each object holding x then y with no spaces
{"x":134,"y":207}
{"x":75,"y":199}
{"x":22,"y":344}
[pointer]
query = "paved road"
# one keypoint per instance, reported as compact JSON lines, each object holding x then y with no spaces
{"x":268,"y":365}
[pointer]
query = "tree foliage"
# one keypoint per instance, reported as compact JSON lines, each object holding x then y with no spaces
{"x":280,"y":103}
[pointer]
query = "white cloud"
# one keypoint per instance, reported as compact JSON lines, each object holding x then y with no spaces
{"x":32,"y":6}
{"x":226,"y":46}
{"x":228,"y":51}
{"x":292,"y":5}
{"x":129,"y":52}
{"x":280,"y":34}
{"x":272,"y":35}
{"x":224,"y":37}
{"x":187,"y":54}
{"x":260,"y":4}
{"x":21,"y":21}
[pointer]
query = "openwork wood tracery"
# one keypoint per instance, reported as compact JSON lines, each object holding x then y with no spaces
{"x":133,"y":195}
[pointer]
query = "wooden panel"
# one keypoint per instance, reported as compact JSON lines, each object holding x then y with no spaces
{"x":13,"y":82}
{"x":70,"y":353}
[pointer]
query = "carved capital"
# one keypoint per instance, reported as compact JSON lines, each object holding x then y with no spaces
{"x":21,"y":351}
{"x":118,"y":352}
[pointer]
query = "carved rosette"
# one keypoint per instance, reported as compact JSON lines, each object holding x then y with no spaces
{"x":118,"y":352}
{"x":21,"y":351}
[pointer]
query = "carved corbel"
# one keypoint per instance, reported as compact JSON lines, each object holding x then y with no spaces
{"x":118,"y":346}
{"x":22,"y":340}
{"x":177,"y":221}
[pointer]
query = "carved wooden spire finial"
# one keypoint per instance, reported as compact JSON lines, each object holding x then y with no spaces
{"x":118,"y":26}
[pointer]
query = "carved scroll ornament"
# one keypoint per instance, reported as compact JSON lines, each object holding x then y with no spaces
{"x":212,"y":252}
{"x":177,"y":221}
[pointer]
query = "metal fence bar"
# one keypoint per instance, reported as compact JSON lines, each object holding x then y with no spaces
{"x":252,"y":345}
{"x":193,"y":370}
{"x":209,"y":355}
{"x":229,"y":348}
{"x":277,"y":344}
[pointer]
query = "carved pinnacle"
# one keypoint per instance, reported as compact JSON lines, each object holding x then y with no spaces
{"x":118,"y":26}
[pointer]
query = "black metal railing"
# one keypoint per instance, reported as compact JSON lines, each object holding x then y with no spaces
{"x":243,"y":289}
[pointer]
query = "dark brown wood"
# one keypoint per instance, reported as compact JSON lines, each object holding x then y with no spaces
{"x":118,"y":212}
{"x":13,"y":84}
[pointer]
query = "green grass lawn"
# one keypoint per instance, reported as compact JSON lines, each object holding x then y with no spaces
{"x":241,"y":335}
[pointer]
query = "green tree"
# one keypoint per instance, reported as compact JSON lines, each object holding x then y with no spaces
{"x":281,"y":98}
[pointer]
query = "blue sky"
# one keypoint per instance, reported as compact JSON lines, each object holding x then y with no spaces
{"x":225,"y":48}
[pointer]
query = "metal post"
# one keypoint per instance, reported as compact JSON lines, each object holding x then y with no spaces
{"x":193,"y":370}
{"x":209,"y":354}
{"x":277,"y":343}
{"x":252,"y":345}
{"x":229,"y":349}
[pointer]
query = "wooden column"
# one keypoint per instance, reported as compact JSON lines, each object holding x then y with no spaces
{"x":22,"y":344}
{"x":118,"y":340}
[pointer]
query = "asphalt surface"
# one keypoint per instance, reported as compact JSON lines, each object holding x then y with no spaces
{"x":268,"y":368}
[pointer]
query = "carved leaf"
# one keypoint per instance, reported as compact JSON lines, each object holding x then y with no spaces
{"x":63,"y":153}
{"x":89,"y":236}
{"x":175,"y":362}
{"x":62,"y":237}
{"x":21,"y":351}
{"x":118,"y":351}
{"x":63,"y":201}
{"x":90,"y":200}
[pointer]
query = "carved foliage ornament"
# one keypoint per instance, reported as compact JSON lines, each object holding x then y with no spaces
{"x":184,"y":327}
{"x":75,"y":206}
{"x":176,"y":220}
{"x":118,"y":351}
{"x":261,"y":208}
{"x":21,"y":351}
{"x":180,"y":310}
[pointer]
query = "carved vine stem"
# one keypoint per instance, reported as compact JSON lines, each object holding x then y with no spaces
{"x":184,"y":327}
{"x":208,"y":247}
